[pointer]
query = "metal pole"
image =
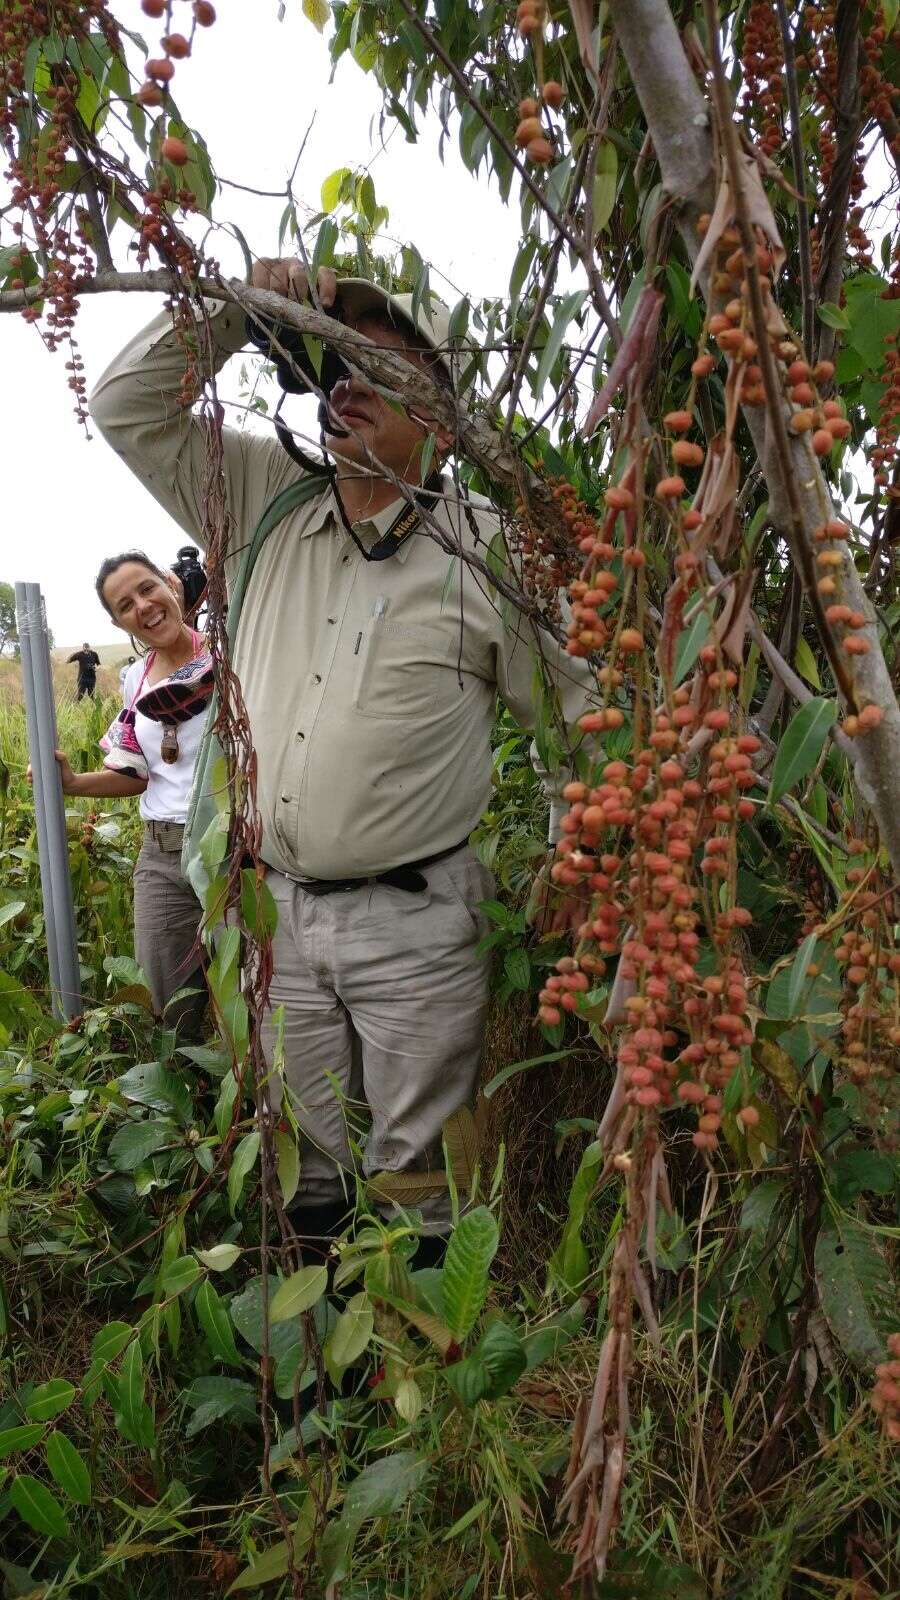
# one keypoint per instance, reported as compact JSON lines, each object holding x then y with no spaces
{"x":56,"y":883}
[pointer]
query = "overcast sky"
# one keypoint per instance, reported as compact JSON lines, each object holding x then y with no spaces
{"x":250,"y":88}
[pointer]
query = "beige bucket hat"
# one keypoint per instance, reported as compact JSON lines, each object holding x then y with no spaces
{"x":356,"y":296}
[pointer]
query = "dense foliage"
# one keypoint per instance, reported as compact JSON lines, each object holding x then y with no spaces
{"x":674,"y":1354}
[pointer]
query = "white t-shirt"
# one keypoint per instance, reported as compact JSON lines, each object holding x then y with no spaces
{"x":165,"y":798}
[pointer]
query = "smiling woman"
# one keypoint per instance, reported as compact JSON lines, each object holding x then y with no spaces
{"x":151,"y":750}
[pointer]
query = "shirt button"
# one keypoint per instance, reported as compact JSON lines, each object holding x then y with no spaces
{"x":332,"y":620}
{"x":285,"y":799}
{"x":300,"y":735}
{"x":317,"y":677}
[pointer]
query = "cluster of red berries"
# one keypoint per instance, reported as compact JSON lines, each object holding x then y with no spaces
{"x":870,"y":958}
{"x":886,"y":1394}
{"x":550,"y":559}
{"x":762,"y":58}
{"x":819,"y":59}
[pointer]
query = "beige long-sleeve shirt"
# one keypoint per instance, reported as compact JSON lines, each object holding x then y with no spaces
{"x":370,"y":686}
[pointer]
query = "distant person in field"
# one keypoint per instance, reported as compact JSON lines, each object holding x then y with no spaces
{"x":123,"y":672}
{"x":150,"y":750}
{"x":88,"y":662}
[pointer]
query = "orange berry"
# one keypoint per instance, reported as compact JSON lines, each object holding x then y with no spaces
{"x":540,"y":151}
{"x":686,"y":454}
{"x":822,"y":441}
{"x":631,"y":641}
{"x":529,"y":128}
{"x":801,"y":422}
{"x":175,"y":151}
{"x":678,"y":421}
{"x":703,"y":365}
{"x":554,"y":94}
{"x":176,"y":45}
{"x":670,"y":488}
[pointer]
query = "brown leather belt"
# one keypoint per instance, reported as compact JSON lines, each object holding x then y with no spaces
{"x":409,"y":876}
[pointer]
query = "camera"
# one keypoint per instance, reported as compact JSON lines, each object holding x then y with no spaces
{"x":188,"y":567}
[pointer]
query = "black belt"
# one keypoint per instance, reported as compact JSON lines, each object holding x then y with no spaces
{"x":408,"y":877}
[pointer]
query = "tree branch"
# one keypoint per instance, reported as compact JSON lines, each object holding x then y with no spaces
{"x":848,"y":125}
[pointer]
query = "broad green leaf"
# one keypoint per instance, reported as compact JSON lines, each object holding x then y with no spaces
{"x":258,"y":908}
{"x":213,"y":1317}
{"x":856,"y":1290}
{"x":180,"y":1275}
{"x":760,"y":1204}
{"x":569,"y":1261}
{"x":605,"y":184}
{"x":107,"y":1343}
{"x":287,"y":1157}
{"x":805,"y":662}
{"x":133,"y":1416}
{"x":40,"y":1508}
{"x":833,"y":316}
{"x":331,"y":188}
{"x":496,"y":1363}
{"x":10,"y":910}
{"x":380,"y":1489}
{"x":19,"y":1438}
{"x":298,"y":1292}
{"x":242,"y":1163}
{"x":69,"y":1468}
{"x":49,"y":1399}
{"x":246,"y":1312}
{"x":517,"y":968}
{"x":350,"y":1335}
{"x":798,"y":974}
{"x":801,"y":746}
{"x":151,"y":1084}
{"x":215,"y":1397}
{"x":473,"y":1245}
{"x":137,"y":1141}
{"x":219,"y":1257}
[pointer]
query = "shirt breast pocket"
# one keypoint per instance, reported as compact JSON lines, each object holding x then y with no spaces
{"x":406,"y":671}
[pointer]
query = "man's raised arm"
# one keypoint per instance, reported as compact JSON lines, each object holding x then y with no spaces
{"x":138,"y":407}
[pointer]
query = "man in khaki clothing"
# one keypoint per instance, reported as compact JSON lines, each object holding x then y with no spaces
{"x":370,"y":677}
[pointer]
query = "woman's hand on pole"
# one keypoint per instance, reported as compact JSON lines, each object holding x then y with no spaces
{"x":68,"y":778}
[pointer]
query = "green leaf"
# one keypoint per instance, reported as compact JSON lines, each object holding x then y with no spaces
{"x":318,"y":13}
{"x":760,"y":1204}
{"x":150,"y":1084}
{"x":856,"y":1290}
{"x":69,"y":1468}
{"x":180,"y":1275}
{"x":473,"y":1245}
{"x":331,"y":188}
{"x":570,"y":1259}
{"x":798,"y":974}
{"x":40,"y":1508}
{"x":805,"y":662}
{"x":273,"y":1563}
{"x":10,"y":910}
{"x":833,"y":316}
{"x":605,"y":184}
{"x":246,"y":1312}
{"x":350,"y":1335}
{"x":515,"y":1067}
{"x":517,"y":967}
{"x":298,"y":1292}
{"x":690,"y":642}
{"x":801,"y":745}
{"x":20,"y":1438}
{"x":213,"y":1317}
{"x":133,"y":1416}
{"x":49,"y":1399}
{"x":466,"y":1520}
{"x":287,"y":1165}
{"x":136,"y":1141}
{"x":243,"y":1162}
{"x":220,"y":1256}
{"x":567,"y":309}
{"x":380,"y":1489}
{"x":496,"y":1363}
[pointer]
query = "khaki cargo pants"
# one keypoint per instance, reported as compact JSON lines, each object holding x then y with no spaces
{"x":167,"y":917}
{"x":384,"y":1009}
